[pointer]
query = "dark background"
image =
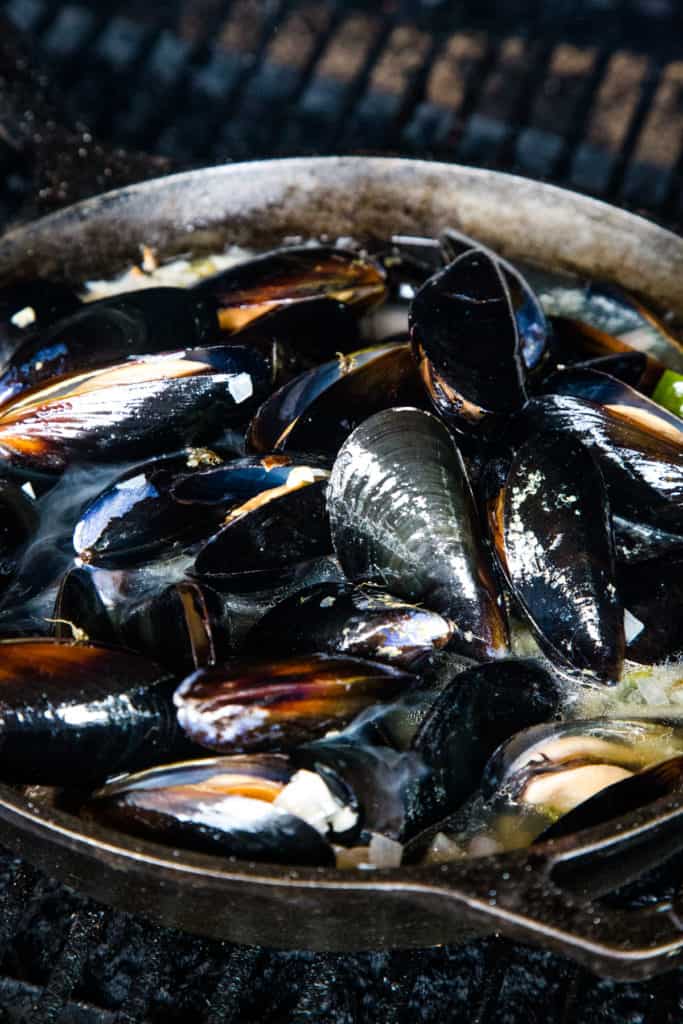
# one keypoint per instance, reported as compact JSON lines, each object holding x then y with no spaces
{"x":588,"y":94}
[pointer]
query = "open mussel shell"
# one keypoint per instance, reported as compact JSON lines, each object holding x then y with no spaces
{"x":319,"y":409}
{"x":591,"y":385}
{"x":470,"y":718}
{"x":642,"y":467}
{"x":557,"y":764}
{"x":359,"y":621}
{"x":29,"y":306}
{"x":293,"y":275}
{"x":270,"y":532}
{"x":137,"y":408}
{"x":620,"y":797}
{"x":110,"y":331}
{"x":610,"y":318}
{"x":577,"y":344}
{"x":466,"y":342}
{"x":136,"y":518}
{"x":225,"y":805}
{"x":381,"y":781}
{"x":653,"y":594}
{"x":76,"y":712}
{"x":402,"y":515}
{"x":551,"y":527}
{"x":532,"y":323}
{"x":300,"y":336}
{"x":249,"y":704}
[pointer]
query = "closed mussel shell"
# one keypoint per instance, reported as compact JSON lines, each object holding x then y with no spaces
{"x":138,"y":408}
{"x":466,"y":342}
{"x":402,"y":514}
{"x":136,"y":518}
{"x":642,"y":467}
{"x":298,"y":337}
{"x":293,"y":275}
{"x":652,"y":592}
{"x":224,"y":806}
{"x":478,"y":711}
{"x":609,"y":318}
{"x":319,"y":409}
{"x":643,"y":542}
{"x":278,"y":529}
{"x":619,"y":398}
{"x":358,"y":621}
{"x":73,"y":712}
{"x":110,"y":331}
{"x":552,"y":533}
{"x":532,"y":324}
{"x":250,"y":704}
{"x":181,"y":627}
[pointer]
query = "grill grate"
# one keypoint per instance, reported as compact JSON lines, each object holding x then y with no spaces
{"x":586,"y":93}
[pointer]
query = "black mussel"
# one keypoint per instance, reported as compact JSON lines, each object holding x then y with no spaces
{"x":633,"y":368}
{"x":278,"y":529}
{"x":298,"y":337}
{"x":620,"y":797}
{"x":466,"y":343}
{"x":362,"y":622}
{"x":608,"y":317}
{"x":181,"y":627}
{"x":31,"y":306}
{"x":619,"y":398}
{"x":249,"y":704}
{"x":95,"y":602}
{"x":551,"y":528}
{"x":249,"y":482}
{"x":532,"y":323}
{"x":19,"y":520}
{"x":138,"y":408}
{"x":556,"y":765}
{"x":409,"y":260}
{"x":136,"y":518}
{"x":652,"y":593}
{"x":642,"y":468}
{"x":74,"y":712}
{"x":319,"y":409}
{"x":468,"y":721}
{"x":381,"y":781}
{"x":110,"y":331}
{"x":642,"y":542}
{"x":293,"y":275}
{"x":224,"y":805}
{"x":402,"y":515}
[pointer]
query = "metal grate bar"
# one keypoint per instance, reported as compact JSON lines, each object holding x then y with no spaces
{"x":658,"y":148}
{"x":237,"y":977}
{"x":582,"y":113}
{"x":146,"y":984}
{"x":325,"y":994}
{"x":67,"y":971}
{"x":522,"y":109}
{"x":491,"y":982}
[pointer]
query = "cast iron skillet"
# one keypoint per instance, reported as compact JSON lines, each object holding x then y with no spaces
{"x":545,"y":896}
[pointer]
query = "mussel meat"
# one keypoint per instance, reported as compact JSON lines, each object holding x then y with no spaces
{"x":248,"y":704}
{"x":402,"y":514}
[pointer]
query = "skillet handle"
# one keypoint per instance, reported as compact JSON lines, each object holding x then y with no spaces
{"x":61,"y":158}
{"x":548,"y":894}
